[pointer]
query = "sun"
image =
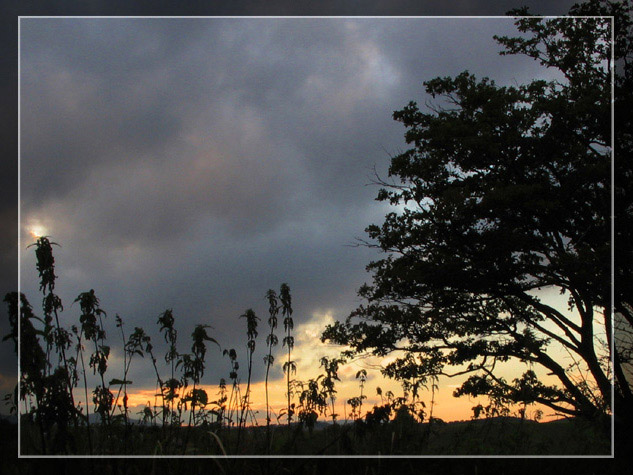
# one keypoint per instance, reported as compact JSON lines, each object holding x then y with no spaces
{"x":37,"y":231}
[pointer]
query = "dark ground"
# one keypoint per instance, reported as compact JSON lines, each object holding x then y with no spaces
{"x":349,"y":465}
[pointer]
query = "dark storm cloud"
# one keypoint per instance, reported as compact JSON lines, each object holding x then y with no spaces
{"x":249,"y":121}
{"x":94,"y":94}
{"x":196,"y":163}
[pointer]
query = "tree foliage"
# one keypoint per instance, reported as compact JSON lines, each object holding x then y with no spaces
{"x":505,"y":192}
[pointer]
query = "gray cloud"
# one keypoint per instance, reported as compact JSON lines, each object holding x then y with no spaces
{"x":196,"y":163}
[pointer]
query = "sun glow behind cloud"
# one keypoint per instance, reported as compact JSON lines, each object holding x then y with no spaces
{"x":37,"y":230}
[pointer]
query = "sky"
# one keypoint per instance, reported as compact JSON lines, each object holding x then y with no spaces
{"x":193,"y":164}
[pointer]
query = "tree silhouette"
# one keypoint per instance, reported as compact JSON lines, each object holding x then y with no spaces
{"x":505,"y":191}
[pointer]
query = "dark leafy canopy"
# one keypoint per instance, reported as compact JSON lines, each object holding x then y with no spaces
{"x":504,"y":191}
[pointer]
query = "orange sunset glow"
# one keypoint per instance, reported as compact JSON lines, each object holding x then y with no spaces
{"x":308,"y":352}
{"x":446,"y":407}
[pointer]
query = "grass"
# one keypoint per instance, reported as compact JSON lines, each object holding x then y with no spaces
{"x":496,"y":436}
{"x":564,"y":434}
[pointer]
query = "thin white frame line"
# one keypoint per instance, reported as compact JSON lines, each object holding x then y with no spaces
{"x":314,"y":456}
{"x":613,"y":409}
{"x":307,"y":17}
{"x":19,"y":322}
{"x":398,"y":17}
